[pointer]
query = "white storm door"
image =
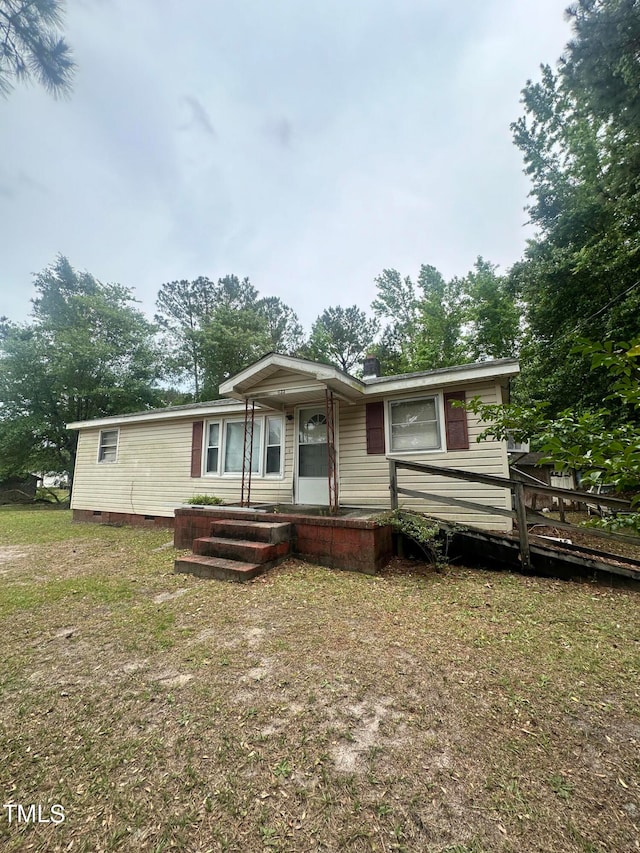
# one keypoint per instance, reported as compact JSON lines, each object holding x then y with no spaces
{"x":313,"y":461}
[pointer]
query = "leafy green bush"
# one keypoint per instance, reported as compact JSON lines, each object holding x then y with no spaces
{"x":603,"y":444}
{"x":425,"y":532}
{"x":205,"y":500}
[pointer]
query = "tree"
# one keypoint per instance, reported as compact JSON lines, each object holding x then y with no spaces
{"x":85,"y":354}
{"x":184,"y":310}
{"x":422,"y":322}
{"x":31,"y":46}
{"x":342,"y":336}
{"x":283,"y":327}
{"x":601,"y":65}
{"x":396,"y":306}
{"x":580,"y":275}
{"x":492,"y":313}
{"x":441,"y":314}
{"x":200,"y":320}
{"x":234,"y":338}
{"x":602,"y":443}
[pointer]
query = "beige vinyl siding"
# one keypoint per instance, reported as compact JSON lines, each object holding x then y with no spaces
{"x":364,"y":479}
{"x":152,"y":472}
{"x":289,"y":381}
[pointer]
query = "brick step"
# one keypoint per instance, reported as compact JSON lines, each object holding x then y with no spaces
{"x":218,"y":568}
{"x":260,"y":531}
{"x":241,"y":549}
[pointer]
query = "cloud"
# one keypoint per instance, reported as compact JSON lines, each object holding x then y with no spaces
{"x":305,"y":145}
{"x":199,"y":117}
{"x":280,"y":130}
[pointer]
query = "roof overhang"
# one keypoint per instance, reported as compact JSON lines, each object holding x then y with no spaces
{"x":315,"y":380}
{"x":221,"y":407}
{"x":499,"y":370}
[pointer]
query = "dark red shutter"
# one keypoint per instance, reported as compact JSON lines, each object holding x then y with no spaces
{"x":375,"y":427}
{"x":456,"y":422}
{"x":196,"y":449}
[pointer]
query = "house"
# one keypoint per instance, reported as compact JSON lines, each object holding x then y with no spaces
{"x":532,"y":468}
{"x":288,"y":431}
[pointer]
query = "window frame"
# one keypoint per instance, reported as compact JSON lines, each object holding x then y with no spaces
{"x":261,"y":473}
{"x":206,"y":446}
{"x":223,"y":446}
{"x":101,"y":446}
{"x":280,"y":472}
{"x":439,"y":421}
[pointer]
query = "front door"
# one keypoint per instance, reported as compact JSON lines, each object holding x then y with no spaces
{"x":313,"y":461}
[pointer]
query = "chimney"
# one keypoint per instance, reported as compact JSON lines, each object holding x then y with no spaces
{"x":371,"y":366}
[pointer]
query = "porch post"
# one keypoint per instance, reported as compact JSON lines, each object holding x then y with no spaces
{"x":331,"y":451}
{"x":247,"y":451}
{"x":393,"y":483}
{"x":523,"y":533}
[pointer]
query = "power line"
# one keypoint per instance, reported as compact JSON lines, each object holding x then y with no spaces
{"x":598,"y":312}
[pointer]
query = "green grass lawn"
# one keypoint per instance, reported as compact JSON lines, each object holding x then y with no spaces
{"x":310,"y":710}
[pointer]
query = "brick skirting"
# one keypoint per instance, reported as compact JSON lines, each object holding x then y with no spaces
{"x":356,"y":544}
{"x":117,"y":518}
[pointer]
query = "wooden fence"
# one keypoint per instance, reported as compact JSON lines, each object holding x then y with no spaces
{"x":517,"y":489}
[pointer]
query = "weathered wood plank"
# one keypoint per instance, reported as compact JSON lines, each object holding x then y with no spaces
{"x":482,"y":507}
{"x":509,"y":483}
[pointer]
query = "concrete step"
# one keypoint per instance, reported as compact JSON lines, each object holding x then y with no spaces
{"x":260,"y":531}
{"x":244,"y":550}
{"x":216,"y":567}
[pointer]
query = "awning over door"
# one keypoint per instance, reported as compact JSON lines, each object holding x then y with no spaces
{"x":281,"y":381}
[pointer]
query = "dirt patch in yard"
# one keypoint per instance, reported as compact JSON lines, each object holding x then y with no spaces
{"x":314,"y":709}
{"x":11,"y":556}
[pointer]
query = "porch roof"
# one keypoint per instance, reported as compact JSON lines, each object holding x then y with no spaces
{"x":302,"y":381}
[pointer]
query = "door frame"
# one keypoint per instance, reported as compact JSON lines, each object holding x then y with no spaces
{"x":296,"y":433}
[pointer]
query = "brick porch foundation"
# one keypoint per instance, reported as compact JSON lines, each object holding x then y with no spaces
{"x":357,"y":544}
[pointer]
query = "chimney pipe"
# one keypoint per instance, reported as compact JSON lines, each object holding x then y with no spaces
{"x":371,"y":366}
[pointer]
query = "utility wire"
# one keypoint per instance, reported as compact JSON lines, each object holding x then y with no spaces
{"x":596,"y":313}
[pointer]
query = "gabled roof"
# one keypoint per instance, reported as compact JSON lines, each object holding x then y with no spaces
{"x":247,"y":382}
{"x":311,"y":378}
{"x":498,"y":369}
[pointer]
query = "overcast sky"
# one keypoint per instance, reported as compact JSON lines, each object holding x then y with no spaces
{"x":307,"y":145}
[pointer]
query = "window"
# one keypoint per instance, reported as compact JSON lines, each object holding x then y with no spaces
{"x":313,"y":460}
{"x":213,"y":448}
{"x":414,"y":425}
{"x":274,"y":446}
{"x":224,"y":447}
{"x":108,"y":448}
{"x":234,"y":447}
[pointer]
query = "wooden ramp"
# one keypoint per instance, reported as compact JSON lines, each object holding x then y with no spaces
{"x":552,"y":559}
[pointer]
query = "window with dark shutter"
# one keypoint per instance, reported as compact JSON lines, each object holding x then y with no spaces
{"x":375,"y":427}
{"x":196,"y":449}
{"x":455,"y":422}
